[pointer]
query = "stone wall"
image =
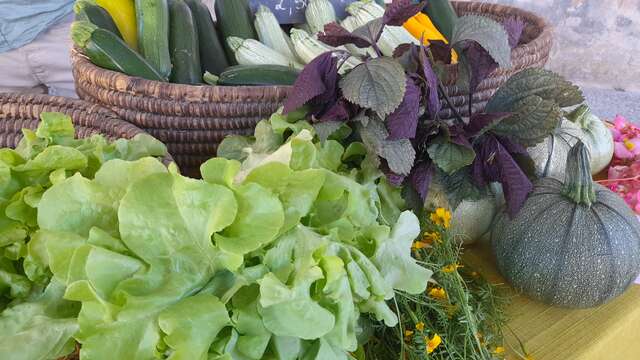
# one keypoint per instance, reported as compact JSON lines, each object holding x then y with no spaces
{"x":597,"y":41}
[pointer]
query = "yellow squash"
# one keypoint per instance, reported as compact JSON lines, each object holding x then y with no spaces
{"x":421,"y":27}
{"x":123,"y":13}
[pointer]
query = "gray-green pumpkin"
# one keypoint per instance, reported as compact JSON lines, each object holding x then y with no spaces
{"x":573,"y":244}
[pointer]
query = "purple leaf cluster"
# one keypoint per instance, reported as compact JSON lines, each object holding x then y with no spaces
{"x":498,"y":159}
{"x":480,"y":63}
{"x":495,"y":162}
{"x":421,"y":177}
{"x":515,"y":27}
{"x":396,"y":14}
{"x":336,"y":35}
{"x":431,"y":82}
{"x":317,"y":86}
{"x":399,"y":11}
{"x":403,"y":123}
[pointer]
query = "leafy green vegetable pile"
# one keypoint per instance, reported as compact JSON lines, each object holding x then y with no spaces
{"x":288,"y":254}
{"x":31,"y":314}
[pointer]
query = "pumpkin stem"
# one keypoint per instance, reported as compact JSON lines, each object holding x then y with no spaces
{"x":578,"y":184}
{"x":577,"y":116}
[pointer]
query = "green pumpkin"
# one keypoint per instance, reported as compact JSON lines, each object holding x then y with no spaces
{"x":573,"y":244}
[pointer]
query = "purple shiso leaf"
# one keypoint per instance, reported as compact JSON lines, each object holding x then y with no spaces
{"x":441,"y":51}
{"x":336,"y":35}
{"x":399,"y":11}
{"x":393,"y":178}
{"x":482,"y":64}
{"x":494,"y":162}
{"x":433,"y":103}
{"x":420,"y":178}
{"x":338,"y":112}
{"x":514,"y":27}
{"x":480,"y":122}
{"x":403,"y":122}
{"x":317,"y":81}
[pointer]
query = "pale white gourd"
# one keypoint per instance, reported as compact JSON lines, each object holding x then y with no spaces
{"x":470,"y":220}
{"x":550,"y":156}
{"x":598,"y":137}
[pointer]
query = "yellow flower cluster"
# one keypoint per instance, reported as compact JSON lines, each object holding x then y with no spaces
{"x":431,"y":237}
{"x":441,"y":217}
{"x":432,"y":343}
{"x":438,"y":293}
{"x":451,"y":268}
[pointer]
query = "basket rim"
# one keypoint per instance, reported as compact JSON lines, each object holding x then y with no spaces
{"x":20,"y":102}
{"x":83,"y":114}
{"x":136,"y":86}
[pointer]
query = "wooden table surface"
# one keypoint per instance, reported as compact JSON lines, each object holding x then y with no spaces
{"x":609,"y":332}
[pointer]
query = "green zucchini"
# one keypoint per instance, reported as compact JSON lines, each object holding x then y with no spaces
{"x":88,"y":10}
{"x":247,"y":75}
{"x":153,"y":33}
{"x":184,"y":45}
{"x":212,"y":57}
{"x":443,"y":15}
{"x":234,"y":19}
{"x":105,"y":49}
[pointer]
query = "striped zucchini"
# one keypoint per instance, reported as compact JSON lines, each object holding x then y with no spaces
{"x":106,"y":50}
{"x":271,"y":34}
{"x":253,"y":52}
{"x":308,"y":48}
{"x":367,"y":10}
{"x":318,"y":14}
{"x":153,"y":33}
{"x":351,"y":23}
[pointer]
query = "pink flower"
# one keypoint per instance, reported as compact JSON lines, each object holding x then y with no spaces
{"x":619,"y":124}
{"x":624,"y":171}
{"x":618,"y":172}
{"x":627,"y":148}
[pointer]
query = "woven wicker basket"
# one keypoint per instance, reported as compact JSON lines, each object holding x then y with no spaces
{"x":192,"y":120}
{"x":23,"y":111}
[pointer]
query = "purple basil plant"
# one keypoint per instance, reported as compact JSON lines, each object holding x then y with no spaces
{"x":393,"y":104}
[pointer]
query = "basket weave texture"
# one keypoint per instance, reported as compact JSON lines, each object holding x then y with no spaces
{"x":23,"y":111}
{"x":192,"y":120}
